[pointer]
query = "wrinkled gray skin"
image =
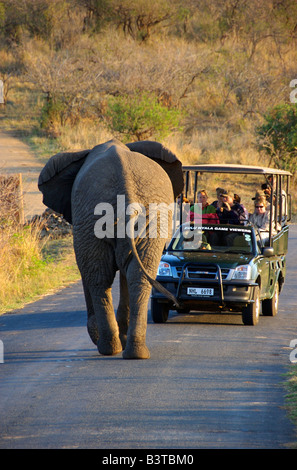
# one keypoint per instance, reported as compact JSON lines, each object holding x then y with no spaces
{"x":106,"y":171}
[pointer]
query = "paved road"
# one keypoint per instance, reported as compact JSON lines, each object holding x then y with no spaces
{"x":210,"y":383}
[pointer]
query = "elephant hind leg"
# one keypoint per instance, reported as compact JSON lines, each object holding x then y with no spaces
{"x":139,"y":293}
{"x":123,"y":311}
{"x":92,"y":326}
{"x":108,"y":342}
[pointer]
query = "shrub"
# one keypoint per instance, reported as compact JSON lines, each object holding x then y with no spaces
{"x":140,"y":117}
{"x":53,"y":115}
{"x":59,"y":111}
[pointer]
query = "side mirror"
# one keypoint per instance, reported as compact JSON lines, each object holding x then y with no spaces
{"x":267,"y":251}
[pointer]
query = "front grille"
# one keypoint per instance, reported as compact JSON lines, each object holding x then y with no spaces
{"x":203,"y":272}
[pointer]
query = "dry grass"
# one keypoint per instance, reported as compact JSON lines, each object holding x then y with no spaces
{"x":86,"y":134}
{"x":30,"y":268}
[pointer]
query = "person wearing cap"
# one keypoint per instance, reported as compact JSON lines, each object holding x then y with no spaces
{"x":227,"y":211}
{"x":260,"y":193}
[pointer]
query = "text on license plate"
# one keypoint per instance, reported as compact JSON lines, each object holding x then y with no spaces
{"x":200,"y":291}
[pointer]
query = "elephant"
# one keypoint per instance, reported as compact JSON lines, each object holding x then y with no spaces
{"x":77,"y":185}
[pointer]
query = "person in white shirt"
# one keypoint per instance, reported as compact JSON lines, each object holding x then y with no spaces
{"x":260,"y":216}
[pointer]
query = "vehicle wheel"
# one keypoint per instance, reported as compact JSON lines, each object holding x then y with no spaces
{"x":251,"y":313}
{"x":270,"y":306}
{"x":159,"y":311}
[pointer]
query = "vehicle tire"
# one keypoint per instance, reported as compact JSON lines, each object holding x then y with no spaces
{"x":251,"y":313}
{"x":270,"y":306}
{"x":159,"y":311}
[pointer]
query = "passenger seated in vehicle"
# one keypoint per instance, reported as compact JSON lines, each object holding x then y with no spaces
{"x":284,"y":202}
{"x":227,"y":211}
{"x":266,"y":192}
{"x":243,"y":216}
{"x":204,"y":244}
{"x":209,"y":215}
{"x":219,"y":192}
{"x":200,"y":244}
{"x":263,"y":194}
{"x":260,"y":216}
{"x":266,"y":188}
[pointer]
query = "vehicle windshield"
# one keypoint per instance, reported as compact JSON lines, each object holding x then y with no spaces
{"x":215,"y":238}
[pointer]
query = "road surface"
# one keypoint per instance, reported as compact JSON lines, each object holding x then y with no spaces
{"x":211,"y":382}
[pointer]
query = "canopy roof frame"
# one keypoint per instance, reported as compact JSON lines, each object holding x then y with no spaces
{"x":276,"y":183}
{"x":239,"y":169}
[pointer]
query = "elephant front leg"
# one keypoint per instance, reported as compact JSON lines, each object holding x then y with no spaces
{"x":108,"y":332}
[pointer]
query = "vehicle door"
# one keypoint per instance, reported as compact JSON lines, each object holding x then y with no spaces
{"x":263,"y":264}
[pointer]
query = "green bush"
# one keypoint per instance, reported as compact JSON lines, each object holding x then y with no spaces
{"x":278,"y":136}
{"x":52,"y":114}
{"x":58,"y":111}
{"x":140,"y":117}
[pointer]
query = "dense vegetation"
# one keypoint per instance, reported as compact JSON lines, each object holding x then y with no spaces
{"x":202,"y":75}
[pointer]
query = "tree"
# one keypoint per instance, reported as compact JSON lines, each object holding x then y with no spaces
{"x":56,"y":21}
{"x":65,"y":79}
{"x":278,"y":136}
{"x":136,"y":18}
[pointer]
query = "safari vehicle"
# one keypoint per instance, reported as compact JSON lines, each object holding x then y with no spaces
{"x":223,"y":267}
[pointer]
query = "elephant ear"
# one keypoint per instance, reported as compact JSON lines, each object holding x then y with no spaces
{"x":165,"y":158}
{"x":56,"y":180}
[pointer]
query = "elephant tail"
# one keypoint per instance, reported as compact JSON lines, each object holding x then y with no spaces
{"x":152,"y":281}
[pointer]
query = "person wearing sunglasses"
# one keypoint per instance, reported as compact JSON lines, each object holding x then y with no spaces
{"x":260,"y":216}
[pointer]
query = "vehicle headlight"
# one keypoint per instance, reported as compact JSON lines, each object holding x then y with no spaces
{"x":242,"y":272}
{"x":164,"y":269}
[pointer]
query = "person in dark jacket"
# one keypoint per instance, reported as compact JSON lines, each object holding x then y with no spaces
{"x":227,"y":211}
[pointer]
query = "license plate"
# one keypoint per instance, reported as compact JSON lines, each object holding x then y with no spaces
{"x":202,"y":291}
